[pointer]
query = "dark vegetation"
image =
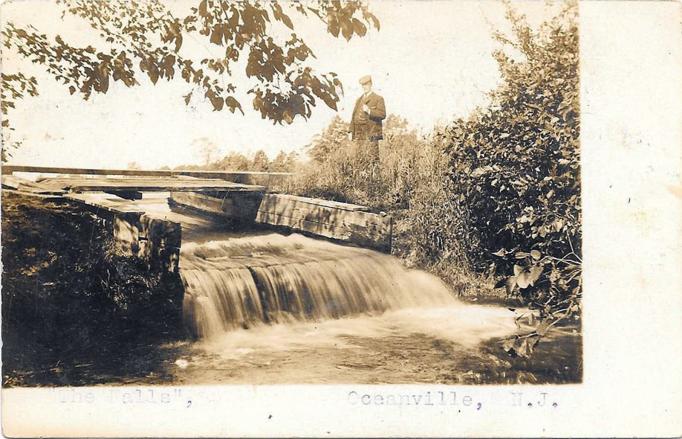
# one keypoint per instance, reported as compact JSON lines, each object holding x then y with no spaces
{"x":491,"y":202}
{"x":259,"y":162}
{"x":68,"y":297}
{"x":62,"y":291}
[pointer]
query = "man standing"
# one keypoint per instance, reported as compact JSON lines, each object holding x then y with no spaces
{"x":369,"y":112}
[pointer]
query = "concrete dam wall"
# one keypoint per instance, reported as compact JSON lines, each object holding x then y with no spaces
{"x":160,"y":221}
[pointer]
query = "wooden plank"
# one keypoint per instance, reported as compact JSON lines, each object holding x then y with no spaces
{"x":374,"y":225}
{"x":300,"y":224}
{"x":310,"y":209}
{"x":234,"y":205}
{"x":377,"y":239}
{"x":325,"y":215}
{"x":369,"y":221}
{"x":289,"y":200}
{"x":320,"y":218}
{"x":226,"y":175}
{"x":103,"y":205}
{"x":154,"y":184}
{"x":11,"y":182}
{"x":21,"y":184}
{"x":318,"y":211}
{"x":77,"y":184}
{"x":198,"y":201}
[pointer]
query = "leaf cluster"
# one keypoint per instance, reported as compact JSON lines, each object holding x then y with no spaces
{"x":516,"y":166}
{"x":13,"y":87}
{"x":143,"y":38}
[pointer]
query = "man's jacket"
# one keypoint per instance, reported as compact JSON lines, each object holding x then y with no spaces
{"x":365,"y":126}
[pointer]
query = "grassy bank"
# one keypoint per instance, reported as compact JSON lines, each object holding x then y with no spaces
{"x":410,"y":183}
{"x":490,"y":202}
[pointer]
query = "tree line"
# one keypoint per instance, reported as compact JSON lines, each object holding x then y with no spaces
{"x":237,"y":161}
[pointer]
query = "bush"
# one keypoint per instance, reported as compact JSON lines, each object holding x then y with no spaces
{"x":410,"y":182}
{"x":343,"y":170}
{"x":495,"y":195}
{"x":516,"y":166}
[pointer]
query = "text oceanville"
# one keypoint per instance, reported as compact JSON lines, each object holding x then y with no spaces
{"x":428,"y":398}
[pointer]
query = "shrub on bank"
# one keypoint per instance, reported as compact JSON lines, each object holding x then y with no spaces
{"x":492,"y":196}
{"x":516,"y":166}
{"x":342,"y":170}
{"x":411,"y":183}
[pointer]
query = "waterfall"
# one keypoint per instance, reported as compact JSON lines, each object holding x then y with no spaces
{"x":241,"y":282}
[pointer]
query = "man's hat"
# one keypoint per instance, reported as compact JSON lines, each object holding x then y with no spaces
{"x":366,"y":80}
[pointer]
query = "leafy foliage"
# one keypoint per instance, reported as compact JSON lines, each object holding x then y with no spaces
{"x":143,"y":37}
{"x":284,"y":162}
{"x":516,"y":166}
{"x":496,"y":194}
{"x":260,"y":162}
{"x":13,"y":87}
{"x":345,"y":170}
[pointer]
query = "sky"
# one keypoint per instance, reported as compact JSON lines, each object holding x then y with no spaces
{"x":431,"y":61}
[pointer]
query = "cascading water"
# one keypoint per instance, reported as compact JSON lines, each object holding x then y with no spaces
{"x":247,"y":281}
{"x":289,"y":309}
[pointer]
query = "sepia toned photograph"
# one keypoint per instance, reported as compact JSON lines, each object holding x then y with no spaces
{"x":341,"y":218}
{"x":272,"y":192}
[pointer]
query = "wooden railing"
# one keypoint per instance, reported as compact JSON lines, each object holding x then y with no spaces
{"x":245,"y":177}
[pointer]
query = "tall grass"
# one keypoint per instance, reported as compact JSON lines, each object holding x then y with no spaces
{"x":496,"y":193}
{"x":410,"y":182}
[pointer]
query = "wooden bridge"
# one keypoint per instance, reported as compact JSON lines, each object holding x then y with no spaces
{"x":245,"y":177}
{"x":244,"y":197}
